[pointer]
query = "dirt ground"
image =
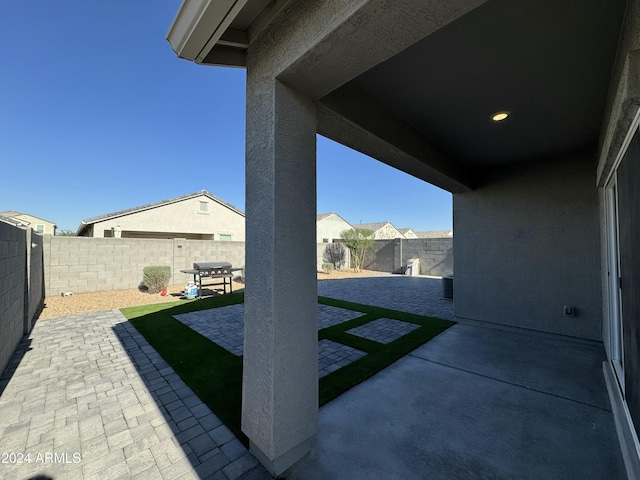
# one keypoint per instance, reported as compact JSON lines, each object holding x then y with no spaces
{"x":99,"y":301}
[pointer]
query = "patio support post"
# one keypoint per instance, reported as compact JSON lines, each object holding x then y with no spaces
{"x":280,"y":378}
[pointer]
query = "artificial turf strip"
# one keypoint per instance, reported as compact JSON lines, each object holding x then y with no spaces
{"x":215,"y":374}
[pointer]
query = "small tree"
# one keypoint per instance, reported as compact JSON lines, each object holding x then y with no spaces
{"x":357,"y":240}
{"x":334,"y":254}
{"x":65,"y":233}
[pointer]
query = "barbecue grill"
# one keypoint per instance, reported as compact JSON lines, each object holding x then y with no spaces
{"x":212,"y":270}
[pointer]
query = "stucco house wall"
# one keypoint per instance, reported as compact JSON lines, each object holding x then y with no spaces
{"x":39,"y":225}
{"x":526,"y":244}
{"x":329,"y":226}
{"x":197,"y":217}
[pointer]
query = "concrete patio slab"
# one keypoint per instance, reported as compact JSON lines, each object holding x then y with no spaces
{"x":473,"y":403}
{"x":562,"y":366}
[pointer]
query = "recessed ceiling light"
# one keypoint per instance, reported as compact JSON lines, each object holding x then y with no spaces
{"x":500,"y":116}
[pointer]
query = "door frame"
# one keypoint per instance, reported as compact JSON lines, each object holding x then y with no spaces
{"x":615,"y":311}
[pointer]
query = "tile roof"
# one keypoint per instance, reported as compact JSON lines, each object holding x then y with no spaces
{"x":374,"y":226}
{"x":10,"y":220}
{"x":435,"y":234}
{"x":322,"y":216}
{"x":10,"y":213}
{"x":13,"y":214}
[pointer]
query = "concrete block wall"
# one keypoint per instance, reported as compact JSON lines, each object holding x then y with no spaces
{"x":186,"y":252}
{"x":13,"y":262}
{"x":35,"y":283}
{"x":381,"y":256}
{"x":435,"y":254}
{"x":21,"y":286}
{"x":320,"y":249}
{"x":86,"y":264}
{"x":81,"y":264}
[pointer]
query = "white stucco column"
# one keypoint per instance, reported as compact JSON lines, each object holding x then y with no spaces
{"x":280,"y":379}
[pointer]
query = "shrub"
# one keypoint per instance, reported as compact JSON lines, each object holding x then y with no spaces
{"x":156,"y":278}
{"x":327,"y":267}
{"x":334,"y":253}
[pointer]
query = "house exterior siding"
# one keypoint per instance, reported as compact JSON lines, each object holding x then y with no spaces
{"x":39,"y":225}
{"x":330,"y":227}
{"x":182,"y":219}
{"x":526,"y":244}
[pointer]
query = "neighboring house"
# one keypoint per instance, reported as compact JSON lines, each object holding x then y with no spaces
{"x":527,"y":112}
{"x":43,"y":227}
{"x":382,"y":230}
{"x":435,"y":234}
{"x":196,"y":216}
{"x":329,"y":226}
{"x":408,"y":233}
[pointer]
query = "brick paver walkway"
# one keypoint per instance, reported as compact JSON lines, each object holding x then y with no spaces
{"x":333,"y":355}
{"x":419,"y":295}
{"x":383,"y":330}
{"x":87,"y":397}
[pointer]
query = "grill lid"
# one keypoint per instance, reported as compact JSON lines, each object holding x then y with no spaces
{"x":211,"y":265}
{"x":212,"y":269}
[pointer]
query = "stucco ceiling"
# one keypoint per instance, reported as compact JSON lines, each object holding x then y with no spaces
{"x":548,"y":62}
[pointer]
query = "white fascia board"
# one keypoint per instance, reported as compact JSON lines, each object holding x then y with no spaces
{"x":199,"y":24}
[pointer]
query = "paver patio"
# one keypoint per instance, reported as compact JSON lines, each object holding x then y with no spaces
{"x":87,"y":397}
{"x":89,"y":388}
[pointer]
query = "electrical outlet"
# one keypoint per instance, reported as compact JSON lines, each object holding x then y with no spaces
{"x":569,"y":310}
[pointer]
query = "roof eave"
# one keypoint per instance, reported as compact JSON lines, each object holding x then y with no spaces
{"x":199,"y":25}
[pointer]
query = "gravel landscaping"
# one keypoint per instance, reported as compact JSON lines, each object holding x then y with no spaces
{"x":100,"y":301}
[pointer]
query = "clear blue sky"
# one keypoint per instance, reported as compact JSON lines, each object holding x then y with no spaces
{"x":97,"y":114}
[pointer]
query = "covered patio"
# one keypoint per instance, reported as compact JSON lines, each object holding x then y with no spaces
{"x":527,"y":112}
{"x":474,"y":402}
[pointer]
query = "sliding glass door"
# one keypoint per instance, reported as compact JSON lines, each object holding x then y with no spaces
{"x":623,"y":248}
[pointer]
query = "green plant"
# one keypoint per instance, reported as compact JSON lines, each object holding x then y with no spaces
{"x":357,"y":241}
{"x":334,"y":253}
{"x":327,"y":267}
{"x":156,"y":278}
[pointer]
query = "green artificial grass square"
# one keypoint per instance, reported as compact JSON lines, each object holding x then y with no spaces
{"x":215,"y":374}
